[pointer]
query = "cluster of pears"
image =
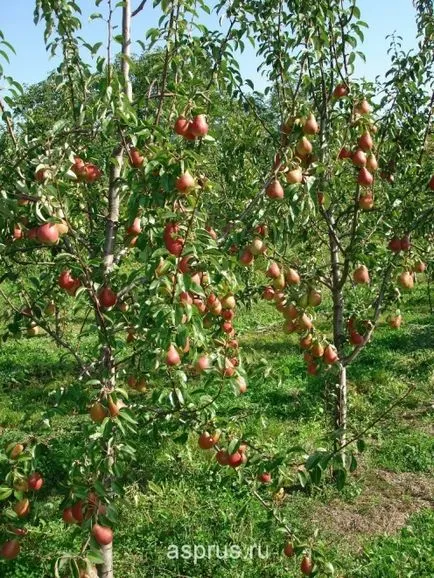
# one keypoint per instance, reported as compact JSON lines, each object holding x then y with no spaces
{"x":362,"y":155}
{"x":22,"y":485}
{"x":303,"y":130}
{"x":293,"y":302}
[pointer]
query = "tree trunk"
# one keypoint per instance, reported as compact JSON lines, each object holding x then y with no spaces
{"x":105,"y":570}
{"x":339,"y":339}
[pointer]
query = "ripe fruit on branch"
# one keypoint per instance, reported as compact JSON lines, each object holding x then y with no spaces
{"x":42,"y":175}
{"x":22,"y":508}
{"x":394,"y":244}
{"x":330,"y":354}
{"x":305,"y":322}
{"x":181,"y":126}
{"x":107,"y":297}
{"x":135,"y":158}
{"x":10,"y":549}
{"x":102,"y":534}
{"x":344,"y":153}
{"x":66,"y":280}
{"x":35,"y":481}
{"x":431,"y":183}
{"x":366,"y":201}
{"x":207,"y":441}
{"x":16,"y":451}
{"x":419,"y":267}
{"x":289,"y":550}
{"x":273,"y":271}
{"x":268,"y":294}
{"x":365,"y":179}
{"x":292,"y":277}
{"x":371,"y":163}
{"x":294,"y":176}
{"x":310,"y":126}
{"x":356,"y":338}
{"x":68,"y":517}
{"x":135,"y":227}
{"x":291,"y":312}
{"x":317,"y":350}
{"x":304,"y":147}
{"x":198,"y":127}
{"x":365,"y":141}
{"x":363,"y":107}
{"x":172,"y":356}
{"x":274,"y":190}
{"x":359,"y":158}
{"x":77,"y":511}
{"x":228,"y":314}
{"x":185,"y":182}
{"x":114,"y":408}
{"x":228,"y":301}
{"x":314,"y":298}
{"x":361,"y":275}
{"x":279,"y":283}
{"x":93,"y":173}
{"x":405,"y":243}
{"x":235,"y":460}
{"x":257,"y":247}
{"x":306,"y":566}
{"x":98,"y":412}
{"x":48,"y":234}
{"x":340,"y":91}
{"x":246,"y":257}
{"x":406,"y":280}
{"x":306,"y":342}
{"x":202,"y":363}
{"x":222,"y":457}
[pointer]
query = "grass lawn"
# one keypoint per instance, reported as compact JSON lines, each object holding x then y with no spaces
{"x":380,"y":525}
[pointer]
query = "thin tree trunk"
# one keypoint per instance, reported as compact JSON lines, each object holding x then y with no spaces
{"x":105,"y":570}
{"x":339,"y":339}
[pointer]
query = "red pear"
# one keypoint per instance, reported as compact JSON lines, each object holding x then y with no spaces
{"x":406,"y":280}
{"x":135,"y":158}
{"x":102,"y":534}
{"x":306,"y":566}
{"x":294,"y":176}
{"x":310,"y":126}
{"x":361,"y":275}
{"x":10,"y":549}
{"x":181,"y":125}
{"x":48,"y":234}
{"x":340,"y":91}
{"x":359,"y":158}
{"x":172,"y":356}
{"x":274,"y":190}
{"x":107,"y":297}
{"x":199,"y":126}
{"x":365,"y":179}
{"x":36,"y":481}
{"x":185,"y":182}
{"x":365,"y":141}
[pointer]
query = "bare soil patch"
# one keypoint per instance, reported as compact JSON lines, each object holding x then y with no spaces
{"x":387,"y":500}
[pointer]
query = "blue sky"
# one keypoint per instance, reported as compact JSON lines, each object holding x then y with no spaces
{"x":32,"y":63}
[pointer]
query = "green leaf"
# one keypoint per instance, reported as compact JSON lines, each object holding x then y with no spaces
{"x":5,"y":492}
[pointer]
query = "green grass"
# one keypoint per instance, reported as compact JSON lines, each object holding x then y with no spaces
{"x":177,"y":495}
